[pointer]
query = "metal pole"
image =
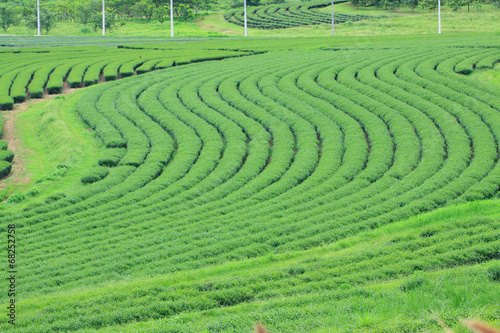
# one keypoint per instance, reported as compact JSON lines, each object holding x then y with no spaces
{"x":171,"y":18}
{"x":333,"y":31}
{"x":245,"y":10}
{"x":439,"y":15}
{"x":38,"y":15}
{"x":103,"y":19}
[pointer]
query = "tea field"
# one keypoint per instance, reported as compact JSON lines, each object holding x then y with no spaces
{"x":290,"y":15}
{"x":308,"y":184}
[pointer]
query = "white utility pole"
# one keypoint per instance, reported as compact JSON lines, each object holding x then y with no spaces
{"x":171,"y":18}
{"x":333,"y":31}
{"x":245,"y":10}
{"x":103,"y":18}
{"x":439,"y":15}
{"x":38,"y":15}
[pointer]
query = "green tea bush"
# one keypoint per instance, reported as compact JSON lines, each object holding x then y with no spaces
{"x":94,"y":174}
{"x":290,"y":15}
{"x":6,"y":103}
{"x":415,"y":281}
{"x":6,"y":155}
{"x":225,"y":162}
{"x":5,"y":168}
{"x":493,"y":273}
{"x":111,"y":157}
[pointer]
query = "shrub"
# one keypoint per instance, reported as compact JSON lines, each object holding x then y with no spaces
{"x":111,"y":157}
{"x":493,"y":273}
{"x":6,"y":103}
{"x":5,"y":168}
{"x":3,"y":145}
{"x":54,"y":197}
{"x":415,"y":281}
{"x":6,"y":155}
{"x":18,"y":197}
{"x":94,"y":175}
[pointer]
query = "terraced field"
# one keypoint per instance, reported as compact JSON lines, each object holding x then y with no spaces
{"x":47,"y":71}
{"x":249,"y":188}
{"x":289,"y":15}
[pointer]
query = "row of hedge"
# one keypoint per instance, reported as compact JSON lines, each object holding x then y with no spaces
{"x":290,"y":15}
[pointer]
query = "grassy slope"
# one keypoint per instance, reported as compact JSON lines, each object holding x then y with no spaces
{"x":377,"y":307}
{"x":452,"y":293}
{"x":491,"y":77}
{"x":128,"y":29}
{"x":53,"y":136}
{"x":402,"y":21}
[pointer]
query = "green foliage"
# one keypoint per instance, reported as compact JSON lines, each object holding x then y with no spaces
{"x":415,"y":281}
{"x":5,"y":168}
{"x":84,"y":11}
{"x":144,"y":9}
{"x":293,"y":15}
{"x":7,"y":17}
{"x":111,"y":157}
{"x":110,"y":22}
{"x":47,"y":18}
{"x":411,"y":3}
{"x":6,"y":103}
{"x":184,"y":11}
{"x":94,"y":175}
{"x":317,"y":157}
{"x":429,"y":4}
{"x":455,"y":4}
{"x":161,"y":13}
{"x":3,"y":145}
{"x":493,"y":273}
{"x":6,"y":155}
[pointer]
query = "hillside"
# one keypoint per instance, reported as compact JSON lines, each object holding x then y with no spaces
{"x":309,"y":184}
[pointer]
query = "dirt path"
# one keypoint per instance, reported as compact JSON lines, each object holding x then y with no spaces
{"x":19,"y":174}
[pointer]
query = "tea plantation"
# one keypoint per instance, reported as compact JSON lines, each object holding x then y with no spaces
{"x":290,"y":15}
{"x":335,"y":189}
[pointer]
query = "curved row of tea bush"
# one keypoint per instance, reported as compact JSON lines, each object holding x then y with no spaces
{"x":46,"y":73}
{"x":212,"y":163}
{"x":289,"y":15}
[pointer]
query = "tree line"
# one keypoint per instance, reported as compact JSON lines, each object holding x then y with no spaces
{"x":89,"y":12}
{"x":455,"y":5}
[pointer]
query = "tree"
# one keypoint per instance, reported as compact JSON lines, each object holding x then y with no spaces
{"x":47,"y":18}
{"x":97,"y":20}
{"x":85,"y":11}
{"x":495,"y":2}
{"x":455,"y":4}
{"x":158,"y":3}
{"x":144,"y":9}
{"x":411,"y":3}
{"x":355,"y":3}
{"x":7,"y":17}
{"x":123,"y":8}
{"x":429,"y":4}
{"x":388,"y":4}
{"x":184,"y":10}
{"x":66,"y":10}
{"x":161,"y":13}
